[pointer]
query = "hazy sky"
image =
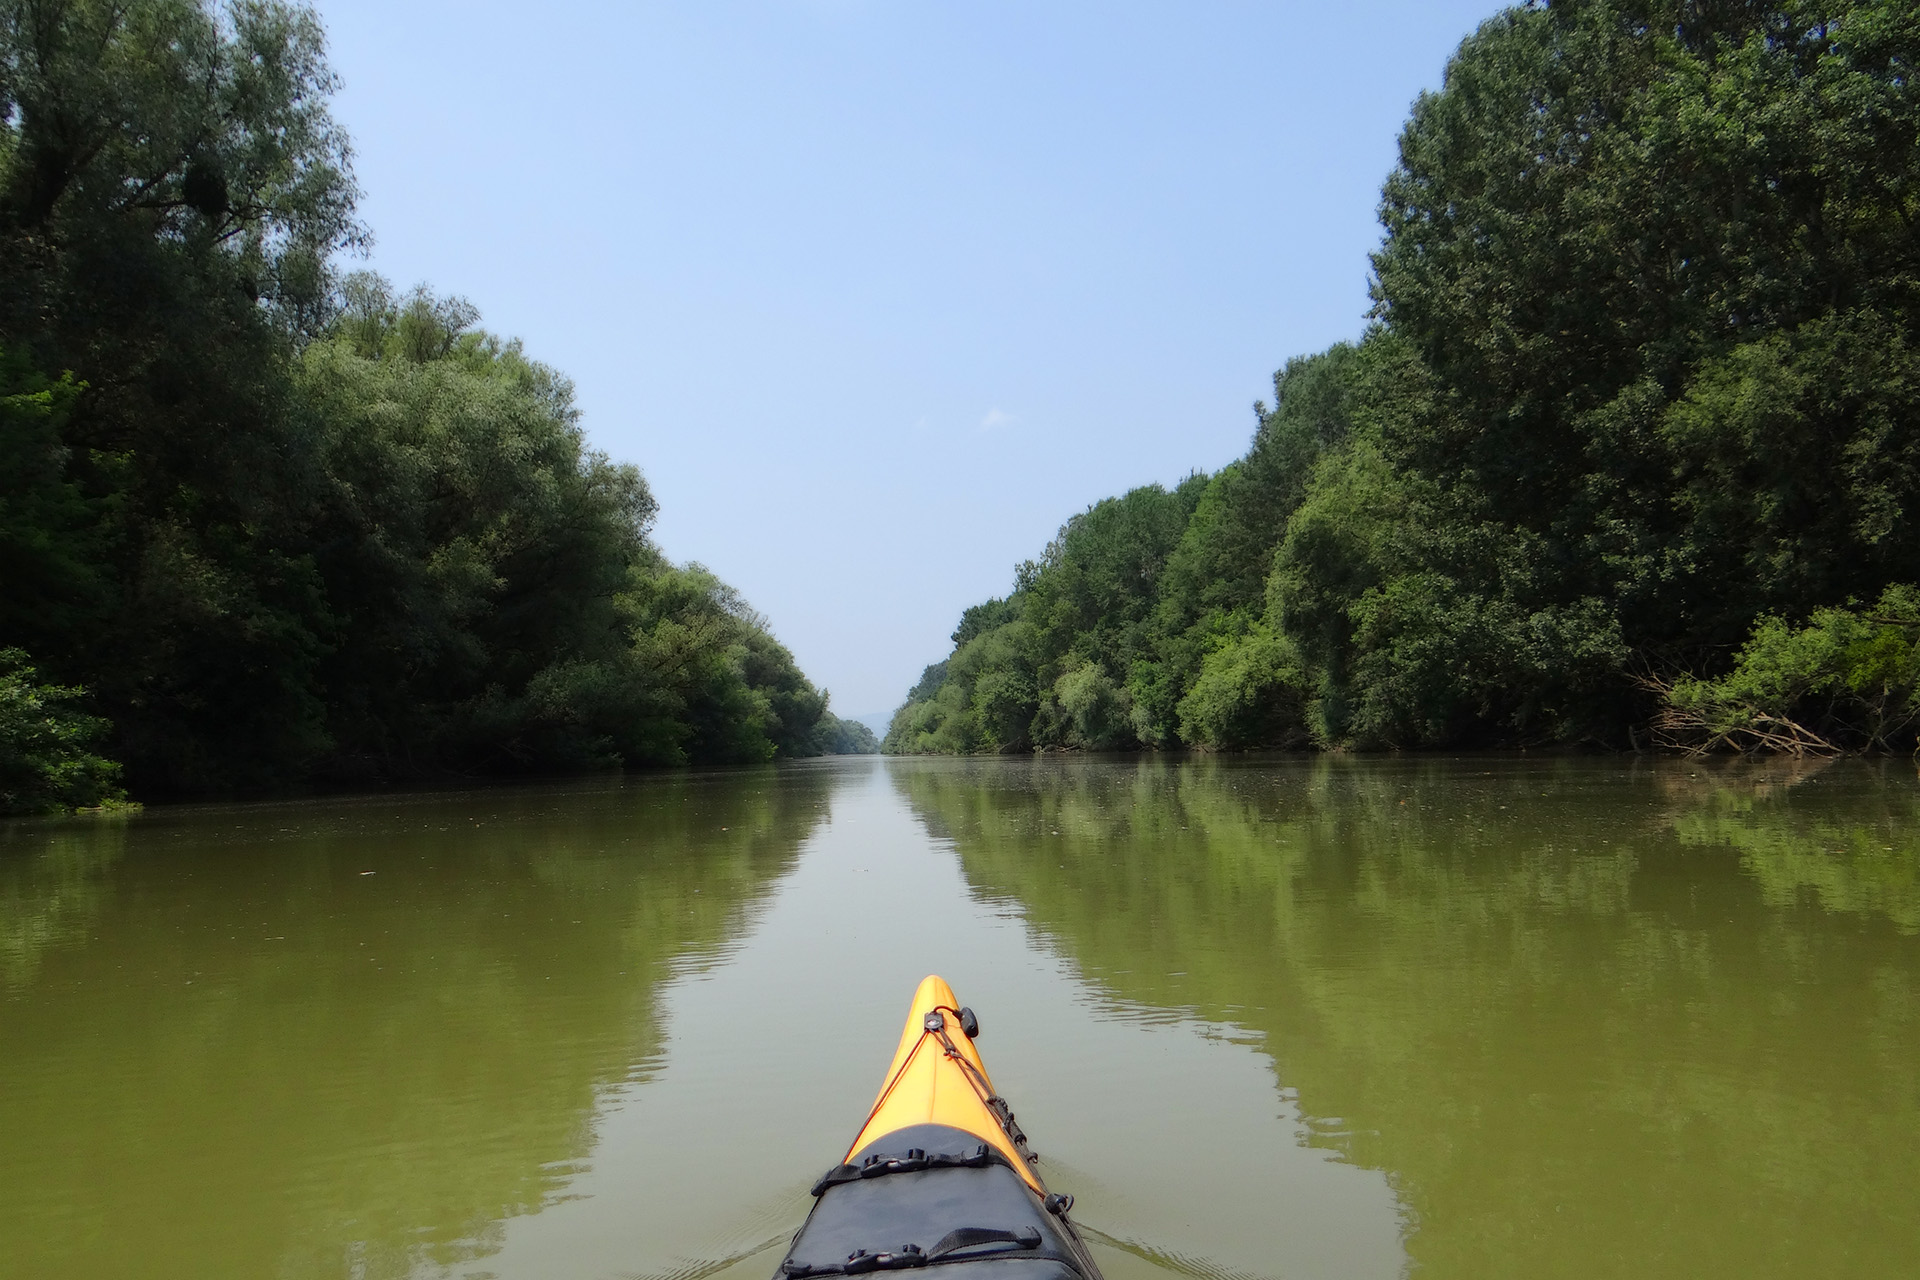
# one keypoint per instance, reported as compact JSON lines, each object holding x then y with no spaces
{"x":879,"y":292}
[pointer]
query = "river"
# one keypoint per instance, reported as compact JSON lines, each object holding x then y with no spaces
{"x":1264,"y":1017}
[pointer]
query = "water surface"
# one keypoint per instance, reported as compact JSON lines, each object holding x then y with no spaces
{"x":1282,"y":1017}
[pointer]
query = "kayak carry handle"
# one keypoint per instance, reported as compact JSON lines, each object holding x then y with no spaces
{"x":967,"y":1237}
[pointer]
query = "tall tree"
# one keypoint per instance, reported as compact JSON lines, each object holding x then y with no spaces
{"x":171,"y":185}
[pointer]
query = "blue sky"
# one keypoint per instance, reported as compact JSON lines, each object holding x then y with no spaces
{"x":879,"y":292}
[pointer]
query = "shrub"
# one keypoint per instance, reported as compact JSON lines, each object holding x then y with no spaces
{"x":1096,"y":713}
{"x":46,"y":765}
{"x":1848,"y":678}
{"x":1250,"y":693}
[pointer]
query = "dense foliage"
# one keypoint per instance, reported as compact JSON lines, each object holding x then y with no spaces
{"x":1643,"y":372}
{"x":849,"y":738}
{"x":46,"y":761}
{"x":1849,"y":677}
{"x":281,"y":524}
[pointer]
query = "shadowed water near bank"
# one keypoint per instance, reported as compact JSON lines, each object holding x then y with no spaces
{"x":1266,"y":1017}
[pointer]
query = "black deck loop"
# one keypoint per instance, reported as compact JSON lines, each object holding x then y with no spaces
{"x":972,"y":1237}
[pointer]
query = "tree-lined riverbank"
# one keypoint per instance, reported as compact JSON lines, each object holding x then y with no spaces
{"x":1627,"y":454}
{"x":263,"y":522}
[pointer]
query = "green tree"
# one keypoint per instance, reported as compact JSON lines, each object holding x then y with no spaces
{"x":171,"y":185}
{"x":1644,"y":251}
{"x":1642,"y":372}
{"x":847,"y":738}
{"x":282,"y":523}
{"x":1045,"y":667}
{"x":466,"y":534}
{"x":1214,"y":585}
{"x":47,"y":764}
{"x":51,"y":531}
{"x":1250,"y":692}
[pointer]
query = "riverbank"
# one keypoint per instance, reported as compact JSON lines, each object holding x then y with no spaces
{"x":1588,"y":476}
{"x":267,"y":522}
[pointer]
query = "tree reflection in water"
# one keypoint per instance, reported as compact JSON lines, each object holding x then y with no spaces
{"x":1592,"y":1018}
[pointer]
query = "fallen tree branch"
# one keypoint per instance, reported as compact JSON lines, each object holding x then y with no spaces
{"x":1728,"y":726}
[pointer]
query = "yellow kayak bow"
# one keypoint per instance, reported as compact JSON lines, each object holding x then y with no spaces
{"x":940,"y":1174}
{"x":937,"y":1077}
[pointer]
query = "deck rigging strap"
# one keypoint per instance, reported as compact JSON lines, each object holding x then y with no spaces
{"x":914,"y":1161}
{"x":936,"y":1026}
{"x":1026,"y":1242}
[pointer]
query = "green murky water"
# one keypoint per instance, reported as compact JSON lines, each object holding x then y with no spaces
{"x":1278,"y":1018}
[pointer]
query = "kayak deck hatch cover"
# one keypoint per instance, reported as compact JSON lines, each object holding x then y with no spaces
{"x":940,"y":1174}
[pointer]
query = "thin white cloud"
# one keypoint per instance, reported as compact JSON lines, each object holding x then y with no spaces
{"x":996,"y":418}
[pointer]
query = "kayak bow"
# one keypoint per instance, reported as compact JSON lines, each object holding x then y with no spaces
{"x":939,"y":1174}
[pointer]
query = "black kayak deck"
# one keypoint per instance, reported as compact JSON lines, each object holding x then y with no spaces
{"x":932,"y":1196}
